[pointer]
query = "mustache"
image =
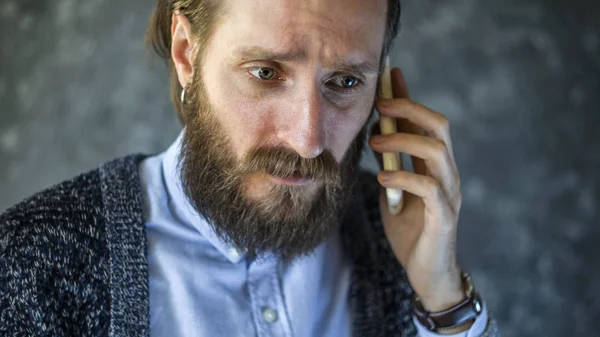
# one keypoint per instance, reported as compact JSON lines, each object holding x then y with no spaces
{"x":283,"y":162}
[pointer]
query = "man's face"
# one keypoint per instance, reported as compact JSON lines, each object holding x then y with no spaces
{"x":276,"y":108}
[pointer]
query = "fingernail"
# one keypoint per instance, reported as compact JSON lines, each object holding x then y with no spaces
{"x":378,"y":139}
{"x":386,"y":102}
{"x":385,"y":176}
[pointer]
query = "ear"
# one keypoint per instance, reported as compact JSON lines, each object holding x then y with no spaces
{"x":182,"y":48}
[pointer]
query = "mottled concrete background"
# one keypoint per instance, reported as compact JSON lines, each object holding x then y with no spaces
{"x":519,"y":80}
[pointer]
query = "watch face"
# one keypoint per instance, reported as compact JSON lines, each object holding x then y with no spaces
{"x":477,"y":306}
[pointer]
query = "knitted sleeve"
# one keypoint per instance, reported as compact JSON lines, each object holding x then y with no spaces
{"x":53,"y":263}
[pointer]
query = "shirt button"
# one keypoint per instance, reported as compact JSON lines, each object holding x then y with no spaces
{"x":234,"y":253}
{"x":269,"y":315}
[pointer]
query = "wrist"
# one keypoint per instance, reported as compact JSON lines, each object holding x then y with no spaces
{"x":448,"y":293}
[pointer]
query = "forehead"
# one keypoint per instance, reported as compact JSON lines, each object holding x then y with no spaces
{"x":318,"y":30}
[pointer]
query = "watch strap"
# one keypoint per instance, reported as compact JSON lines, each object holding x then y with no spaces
{"x":461,"y":313}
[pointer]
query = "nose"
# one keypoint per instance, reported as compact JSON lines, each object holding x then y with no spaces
{"x":304,"y":123}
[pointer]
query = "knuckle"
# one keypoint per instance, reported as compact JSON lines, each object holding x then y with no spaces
{"x":432,"y":188}
{"x":443,"y":123}
{"x":439,"y":147}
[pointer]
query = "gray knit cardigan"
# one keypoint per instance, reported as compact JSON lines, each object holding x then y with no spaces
{"x":73,"y":261}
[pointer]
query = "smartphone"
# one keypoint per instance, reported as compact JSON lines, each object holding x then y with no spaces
{"x":391,"y":161}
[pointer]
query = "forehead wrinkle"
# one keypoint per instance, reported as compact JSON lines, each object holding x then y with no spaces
{"x":295,"y":51}
{"x":334,"y":47}
{"x":304,"y":40}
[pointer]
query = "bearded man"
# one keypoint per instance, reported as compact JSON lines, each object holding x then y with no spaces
{"x":257,"y":220}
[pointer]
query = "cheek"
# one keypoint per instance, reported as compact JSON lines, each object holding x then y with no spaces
{"x":243,"y":118}
{"x":344,"y":128}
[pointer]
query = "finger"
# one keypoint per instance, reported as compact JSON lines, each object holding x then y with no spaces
{"x":384,"y":163}
{"x":422,"y":186}
{"x":405,"y":126}
{"x":430,"y":121}
{"x":431,"y":151}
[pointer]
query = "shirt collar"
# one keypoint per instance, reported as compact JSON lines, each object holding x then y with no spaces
{"x":180,"y":204}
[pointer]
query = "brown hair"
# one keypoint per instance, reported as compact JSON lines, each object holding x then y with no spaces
{"x":203,"y":16}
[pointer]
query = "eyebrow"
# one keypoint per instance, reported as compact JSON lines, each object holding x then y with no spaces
{"x":260,"y":53}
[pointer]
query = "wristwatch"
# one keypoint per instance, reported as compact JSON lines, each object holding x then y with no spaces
{"x":465,"y":311}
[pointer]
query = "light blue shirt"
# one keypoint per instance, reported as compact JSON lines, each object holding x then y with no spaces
{"x":201,"y":286}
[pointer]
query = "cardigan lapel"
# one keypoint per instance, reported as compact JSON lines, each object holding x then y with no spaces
{"x":365,"y":297}
{"x":126,"y":240}
{"x":380,"y":294}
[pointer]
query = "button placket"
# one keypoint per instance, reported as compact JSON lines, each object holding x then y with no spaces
{"x":268,"y":308}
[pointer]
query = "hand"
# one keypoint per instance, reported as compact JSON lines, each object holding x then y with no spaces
{"x":423,"y":234}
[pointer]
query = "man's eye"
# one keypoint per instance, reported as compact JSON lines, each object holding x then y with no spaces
{"x":346,"y":82}
{"x":263,"y":73}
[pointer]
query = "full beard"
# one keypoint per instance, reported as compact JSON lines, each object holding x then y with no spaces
{"x":288,"y":221}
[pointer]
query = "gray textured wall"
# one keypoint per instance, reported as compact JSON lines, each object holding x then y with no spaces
{"x":519,"y":81}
